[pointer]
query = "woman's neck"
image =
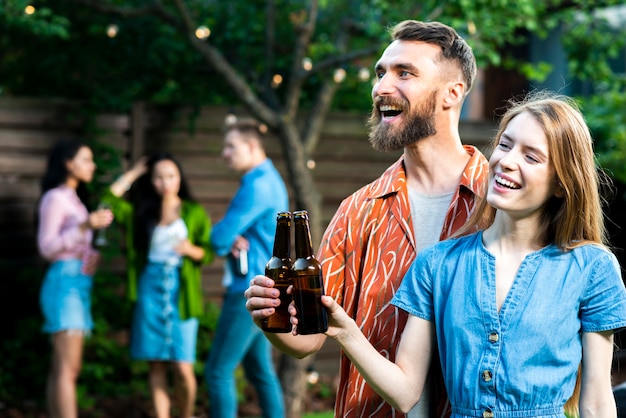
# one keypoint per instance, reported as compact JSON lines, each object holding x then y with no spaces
{"x":72,"y":183}
{"x":508,"y":235}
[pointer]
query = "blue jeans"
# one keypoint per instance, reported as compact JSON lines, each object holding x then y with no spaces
{"x":238,"y":340}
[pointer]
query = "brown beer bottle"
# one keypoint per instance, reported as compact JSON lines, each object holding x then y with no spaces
{"x":278,"y":268}
{"x":308,"y":285}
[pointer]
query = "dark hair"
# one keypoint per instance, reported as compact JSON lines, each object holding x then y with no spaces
{"x":56,"y":169}
{"x":248,"y":127}
{"x":453,"y":47}
{"x":147,"y":202}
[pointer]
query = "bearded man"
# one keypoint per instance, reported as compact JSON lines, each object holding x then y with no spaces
{"x":423,"y":77}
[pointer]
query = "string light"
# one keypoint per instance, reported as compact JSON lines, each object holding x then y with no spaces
{"x":307,"y":63}
{"x":312,"y":377}
{"x":340,"y":75}
{"x":471,"y":27}
{"x":29,"y":10}
{"x":203,"y":32}
{"x":310,"y":164}
{"x":112,"y":30}
{"x":364,"y":74}
{"x":230,"y":119}
{"x":277,"y":80}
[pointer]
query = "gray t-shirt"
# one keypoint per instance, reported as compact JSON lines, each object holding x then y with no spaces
{"x":428,"y":213}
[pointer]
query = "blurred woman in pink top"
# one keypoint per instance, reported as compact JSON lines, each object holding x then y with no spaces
{"x":64,"y":236}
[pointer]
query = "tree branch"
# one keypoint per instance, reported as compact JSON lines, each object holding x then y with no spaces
{"x":264,"y":84}
{"x":294,"y":86}
{"x":156,"y":9}
{"x":223,"y":67}
{"x":313,"y":127}
{"x":212,"y":56}
{"x":270,"y":27}
{"x":340,"y":59}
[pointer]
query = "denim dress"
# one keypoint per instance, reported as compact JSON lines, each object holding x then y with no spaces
{"x":523,"y":359}
{"x":158,"y":333}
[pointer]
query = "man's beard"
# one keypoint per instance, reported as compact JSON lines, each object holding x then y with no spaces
{"x":419,"y":124}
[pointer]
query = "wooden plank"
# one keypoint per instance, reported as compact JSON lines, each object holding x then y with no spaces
{"x":27,"y":140}
{"x":19,"y":188}
{"x":22,"y":164}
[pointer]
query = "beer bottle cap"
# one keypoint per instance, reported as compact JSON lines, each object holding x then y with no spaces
{"x":284,"y":215}
{"x":301,"y":214}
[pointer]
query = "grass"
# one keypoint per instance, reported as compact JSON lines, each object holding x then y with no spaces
{"x":328,"y":414}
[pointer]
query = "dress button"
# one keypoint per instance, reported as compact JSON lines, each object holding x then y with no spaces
{"x":493,"y":337}
{"x":487,"y":413}
{"x":487,"y":376}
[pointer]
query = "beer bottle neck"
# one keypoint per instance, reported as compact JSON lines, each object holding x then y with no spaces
{"x":282,"y":240}
{"x":304,"y":244}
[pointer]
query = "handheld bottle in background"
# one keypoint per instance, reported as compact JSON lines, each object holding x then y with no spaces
{"x":278,"y":268}
{"x":101,"y":234}
{"x":308,"y":286}
{"x":242,"y":262}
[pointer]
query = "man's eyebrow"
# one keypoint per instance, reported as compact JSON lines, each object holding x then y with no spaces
{"x":398,"y":66}
{"x":406,"y":66}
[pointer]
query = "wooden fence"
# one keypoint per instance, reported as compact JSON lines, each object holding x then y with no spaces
{"x":344,"y":162}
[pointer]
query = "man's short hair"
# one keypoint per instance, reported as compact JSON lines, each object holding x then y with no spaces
{"x":453,"y":47}
{"x":248,"y":127}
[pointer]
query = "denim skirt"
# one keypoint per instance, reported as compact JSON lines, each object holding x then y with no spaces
{"x":158,"y":333}
{"x":65,"y":298}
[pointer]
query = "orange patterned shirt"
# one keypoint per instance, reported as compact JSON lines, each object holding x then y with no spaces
{"x":365,"y":252}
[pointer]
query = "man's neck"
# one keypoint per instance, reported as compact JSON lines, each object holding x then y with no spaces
{"x":435,"y":165}
{"x":255,"y":163}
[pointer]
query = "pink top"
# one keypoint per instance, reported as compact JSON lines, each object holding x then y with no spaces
{"x":59,"y":236}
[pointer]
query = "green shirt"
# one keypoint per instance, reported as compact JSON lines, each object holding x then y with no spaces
{"x":190,"y":300}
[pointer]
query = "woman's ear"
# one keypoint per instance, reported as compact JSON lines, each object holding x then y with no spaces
{"x":559,"y":191}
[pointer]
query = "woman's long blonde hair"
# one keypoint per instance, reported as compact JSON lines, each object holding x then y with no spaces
{"x":576,"y":218}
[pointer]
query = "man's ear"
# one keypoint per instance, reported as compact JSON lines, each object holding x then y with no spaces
{"x":454,"y":94}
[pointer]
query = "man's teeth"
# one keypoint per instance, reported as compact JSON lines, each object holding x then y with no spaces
{"x":506,"y":183}
{"x":389,"y":108}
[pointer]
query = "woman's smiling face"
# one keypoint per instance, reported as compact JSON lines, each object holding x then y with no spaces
{"x":522,"y":177}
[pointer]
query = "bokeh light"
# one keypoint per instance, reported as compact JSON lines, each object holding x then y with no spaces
{"x":340,"y":75}
{"x":277,"y":80}
{"x":307,"y":63}
{"x":112,"y":30}
{"x":203,"y":32}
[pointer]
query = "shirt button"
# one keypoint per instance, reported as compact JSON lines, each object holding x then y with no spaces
{"x":493,"y":337}
{"x":488,"y":413}
{"x":487,"y":376}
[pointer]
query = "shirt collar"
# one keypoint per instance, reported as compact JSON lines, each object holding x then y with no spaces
{"x":394,"y":178}
{"x":258,"y":170}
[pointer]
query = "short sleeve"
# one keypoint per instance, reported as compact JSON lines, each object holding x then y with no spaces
{"x":415,"y":294}
{"x":603,"y":306}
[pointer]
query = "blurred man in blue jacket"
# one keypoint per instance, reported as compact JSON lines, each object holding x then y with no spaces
{"x":246,"y":232}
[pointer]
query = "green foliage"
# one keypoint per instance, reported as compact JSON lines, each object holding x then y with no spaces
{"x":23,"y":348}
{"x":606,"y":115}
{"x":42,"y":23}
